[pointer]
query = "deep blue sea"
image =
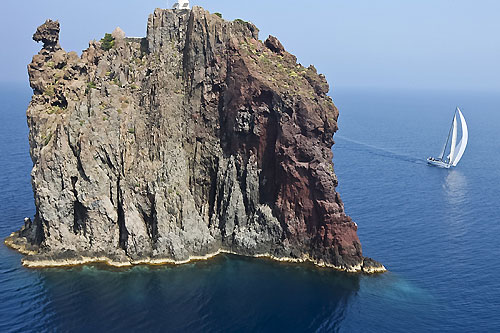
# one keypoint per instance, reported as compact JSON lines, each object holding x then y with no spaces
{"x":436,"y":230}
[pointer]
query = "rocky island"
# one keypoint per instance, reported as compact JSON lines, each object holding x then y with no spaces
{"x":196,"y":140}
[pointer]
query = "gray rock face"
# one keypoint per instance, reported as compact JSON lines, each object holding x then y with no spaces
{"x":196,"y":139}
{"x":118,"y":33}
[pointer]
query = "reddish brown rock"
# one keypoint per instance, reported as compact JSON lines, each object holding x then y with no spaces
{"x":274,"y":45}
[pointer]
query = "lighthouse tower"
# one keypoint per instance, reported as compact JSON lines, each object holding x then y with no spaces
{"x":181,"y":4}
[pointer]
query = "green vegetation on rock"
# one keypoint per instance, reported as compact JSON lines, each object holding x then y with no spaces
{"x":55,"y":109}
{"x":107,"y":42}
{"x":240,"y":21}
{"x":46,"y":139}
{"x":49,"y":91}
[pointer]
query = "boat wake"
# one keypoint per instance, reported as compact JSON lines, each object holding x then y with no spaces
{"x":374,"y":150}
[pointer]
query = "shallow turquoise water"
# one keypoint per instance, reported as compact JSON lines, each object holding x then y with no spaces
{"x":436,"y":230}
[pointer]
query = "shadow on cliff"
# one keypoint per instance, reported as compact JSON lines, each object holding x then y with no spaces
{"x":228,"y":293}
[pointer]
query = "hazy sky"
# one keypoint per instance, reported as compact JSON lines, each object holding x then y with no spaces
{"x":423,"y":44}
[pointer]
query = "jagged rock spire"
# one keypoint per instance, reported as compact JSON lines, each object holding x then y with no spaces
{"x":48,"y":34}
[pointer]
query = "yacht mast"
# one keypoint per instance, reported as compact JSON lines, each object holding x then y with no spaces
{"x":448,"y":138}
{"x":453,"y":140}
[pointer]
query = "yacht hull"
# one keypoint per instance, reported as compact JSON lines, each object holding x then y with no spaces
{"x":438,"y":163}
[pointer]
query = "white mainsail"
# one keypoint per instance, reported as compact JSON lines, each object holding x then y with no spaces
{"x":463,"y":142}
{"x":453,"y":140}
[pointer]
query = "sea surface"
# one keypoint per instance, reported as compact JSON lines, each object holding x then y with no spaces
{"x":436,"y":230}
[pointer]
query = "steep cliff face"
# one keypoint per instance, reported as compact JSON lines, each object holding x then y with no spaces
{"x":194,"y":140}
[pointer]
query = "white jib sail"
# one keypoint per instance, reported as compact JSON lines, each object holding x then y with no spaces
{"x":453,"y":140}
{"x":463,"y":143}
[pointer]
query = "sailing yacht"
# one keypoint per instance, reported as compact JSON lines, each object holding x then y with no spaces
{"x":456,"y":151}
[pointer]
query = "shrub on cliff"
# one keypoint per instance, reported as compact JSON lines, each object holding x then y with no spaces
{"x":240,"y":21}
{"x":107,"y":42}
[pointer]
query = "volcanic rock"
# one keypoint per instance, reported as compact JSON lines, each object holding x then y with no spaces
{"x":48,"y":34}
{"x":274,"y":45}
{"x":195,"y":140}
{"x":118,"y":33}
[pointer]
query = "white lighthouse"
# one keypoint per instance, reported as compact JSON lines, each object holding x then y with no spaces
{"x":181,"y":4}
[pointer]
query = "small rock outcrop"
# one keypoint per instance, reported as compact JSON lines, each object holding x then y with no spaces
{"x":195,"y":140}
{"x":48,"y":34}
{"x":118,"y":33}
{"x":275,"y":45}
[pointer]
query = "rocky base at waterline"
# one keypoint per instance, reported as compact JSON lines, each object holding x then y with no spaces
{"x":196,"y":140}
{"x":36,"y":259}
